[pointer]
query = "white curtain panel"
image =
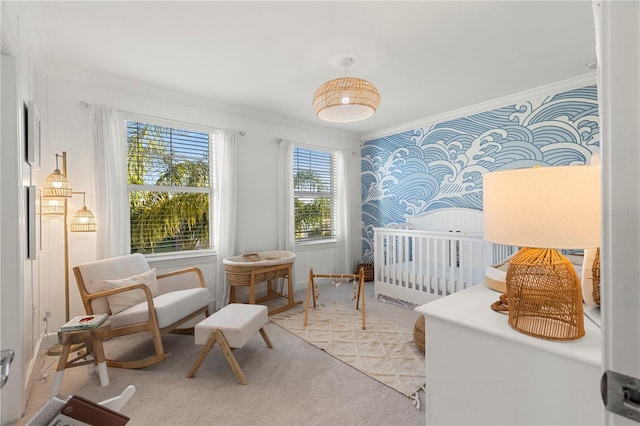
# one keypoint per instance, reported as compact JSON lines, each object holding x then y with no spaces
{"x":286,"y":240}
{"x":110,"y":181}
{"x":226,"y":205}
{"x":344,"y":258}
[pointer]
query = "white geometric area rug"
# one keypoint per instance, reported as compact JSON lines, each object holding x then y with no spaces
{"x":383,"y":351}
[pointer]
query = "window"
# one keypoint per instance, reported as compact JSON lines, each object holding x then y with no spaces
{"x":170,"y":188}
{"x":314,"y":186}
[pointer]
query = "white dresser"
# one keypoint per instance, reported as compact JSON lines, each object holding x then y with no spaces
{"x":481,"y":371}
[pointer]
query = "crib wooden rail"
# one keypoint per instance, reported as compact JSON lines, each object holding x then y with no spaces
{"x":418,"y":266}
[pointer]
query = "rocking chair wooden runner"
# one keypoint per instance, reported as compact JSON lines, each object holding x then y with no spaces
{"x":312,"y":290}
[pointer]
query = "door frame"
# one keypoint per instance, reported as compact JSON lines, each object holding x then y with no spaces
{"x":618,"y":46}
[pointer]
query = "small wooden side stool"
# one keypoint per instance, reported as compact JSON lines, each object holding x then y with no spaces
{"x":92,"y":338}
{"x":230,"y":327}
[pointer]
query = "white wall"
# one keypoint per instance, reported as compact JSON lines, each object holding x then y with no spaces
{"x":65,"y":122}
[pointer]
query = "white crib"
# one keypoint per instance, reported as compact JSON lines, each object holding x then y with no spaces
{"x":433,"y":255}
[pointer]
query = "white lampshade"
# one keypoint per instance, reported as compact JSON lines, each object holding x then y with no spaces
{"x":543,"y":207}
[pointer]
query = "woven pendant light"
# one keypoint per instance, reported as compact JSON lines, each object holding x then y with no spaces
{"x":83,"y":220}
{"x":52,"y":206}
{"x":346,"y":99}
{"x":56,"y":185}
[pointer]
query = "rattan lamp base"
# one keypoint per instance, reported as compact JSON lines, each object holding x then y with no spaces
{"x":544,"y":295}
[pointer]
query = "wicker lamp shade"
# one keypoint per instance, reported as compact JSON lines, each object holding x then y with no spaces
{"x":56,"y":185}
{"x":418,"y":333}
{"x":346,"y":99}
{"x":83,"y":221}
{"x":543,"y":209}
{"x":52,"y":206}
{"x":544,"y":295}
{"x":595,"y":273}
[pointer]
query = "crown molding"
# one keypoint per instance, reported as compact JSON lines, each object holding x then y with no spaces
{"x":542,"y":91}
{"x":230,"y":111}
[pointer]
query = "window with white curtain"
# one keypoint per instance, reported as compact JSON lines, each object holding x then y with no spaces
{"x":171,"y":188}
{"x":314,"y":186}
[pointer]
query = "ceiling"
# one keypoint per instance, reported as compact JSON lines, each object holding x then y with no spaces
{"x":268,"y":58}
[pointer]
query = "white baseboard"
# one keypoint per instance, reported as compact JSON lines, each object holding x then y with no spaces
{"x":35,"y":371}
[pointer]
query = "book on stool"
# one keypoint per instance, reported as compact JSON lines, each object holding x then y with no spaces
{"x":84,"y":322}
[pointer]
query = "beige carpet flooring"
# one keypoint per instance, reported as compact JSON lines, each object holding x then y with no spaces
{"x":294,"y":383}
{"x":383,"y":350}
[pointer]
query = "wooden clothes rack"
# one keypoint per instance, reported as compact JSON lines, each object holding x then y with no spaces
{"x":312,"y":291}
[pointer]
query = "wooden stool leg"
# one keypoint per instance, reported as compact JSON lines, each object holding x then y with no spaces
{"x":310,"y":291}
{"x":96,"y":349}
{"x":203,"y":354}
{"x":226,"y":350}
{"x":91,"y":367}
{"x":252,"y":290}
{"x":361,"y":285}
{"x":360,"y":277}
{"x":62,"y":364}
{"x":290,"y":287}
{"x":266,"y":339}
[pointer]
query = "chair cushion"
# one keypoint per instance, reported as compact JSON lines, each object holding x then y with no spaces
{"x":170,"y":308}
{"x":95,"y":272}
{"x":121,"y":301}
{"x":237,"y":321}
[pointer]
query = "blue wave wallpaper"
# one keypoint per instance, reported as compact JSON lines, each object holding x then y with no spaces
{"x":442,"y":165}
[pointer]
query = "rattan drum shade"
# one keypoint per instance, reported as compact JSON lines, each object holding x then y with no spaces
{"x":346,"y":99}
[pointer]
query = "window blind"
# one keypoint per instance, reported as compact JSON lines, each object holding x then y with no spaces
{"x":169,"y":176}
{"x":314,"y":181}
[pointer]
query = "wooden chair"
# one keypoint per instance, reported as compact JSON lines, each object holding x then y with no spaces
{"x":312,"y":290}
{"x":159,"y":303}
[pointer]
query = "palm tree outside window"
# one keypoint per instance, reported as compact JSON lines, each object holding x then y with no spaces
{"x":170,"y":188}
{"x":314,"y":184}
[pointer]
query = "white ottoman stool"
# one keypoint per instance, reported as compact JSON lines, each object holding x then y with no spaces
{"x":230,"y":327}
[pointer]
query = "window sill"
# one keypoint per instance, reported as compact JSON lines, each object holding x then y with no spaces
{"x":320,"y":244}
{"x":163,"y":257}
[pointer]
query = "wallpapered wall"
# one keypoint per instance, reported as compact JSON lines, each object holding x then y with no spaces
{"x":441,"y":166}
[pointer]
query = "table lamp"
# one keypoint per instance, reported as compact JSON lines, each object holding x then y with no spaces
{"x":541,"y":210}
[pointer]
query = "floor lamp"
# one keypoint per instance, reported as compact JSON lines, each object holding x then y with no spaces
{"x":56,"y":191}
{"x":541,"y":210}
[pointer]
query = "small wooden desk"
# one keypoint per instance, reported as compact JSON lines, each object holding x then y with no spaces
{"x":94,"y":354}
{"x":277,"y":272}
